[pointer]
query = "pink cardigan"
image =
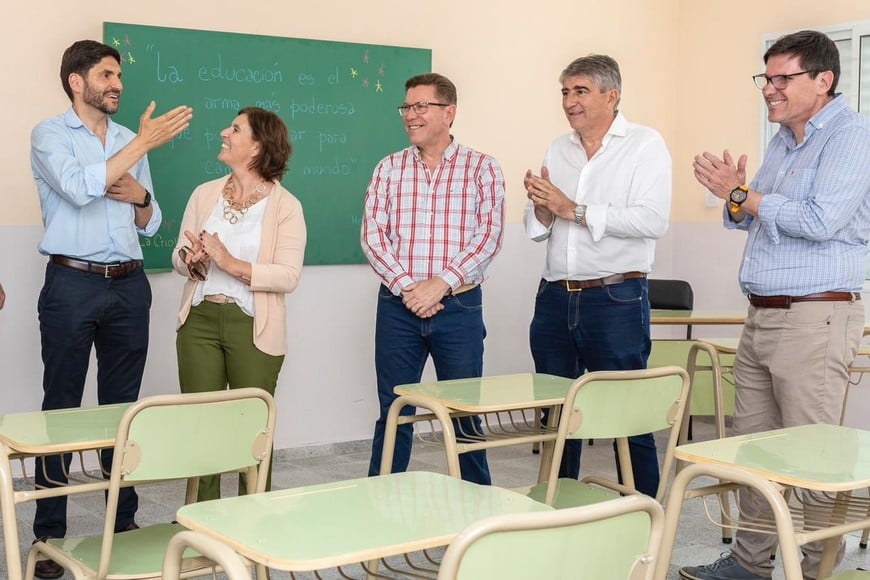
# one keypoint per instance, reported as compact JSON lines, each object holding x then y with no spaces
{"x":278,"y":267}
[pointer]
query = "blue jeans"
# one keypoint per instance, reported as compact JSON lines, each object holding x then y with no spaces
{"x":596,"y":329}
{"x":78,"y":311}
{"x":403,"y":342}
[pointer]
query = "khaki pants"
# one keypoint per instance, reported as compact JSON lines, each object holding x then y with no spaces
{"x":791,"y":369}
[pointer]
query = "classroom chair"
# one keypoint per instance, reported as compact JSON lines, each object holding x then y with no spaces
{"x":792,"y":527}
{"x":611,"y":540}
{"x":163,"y":438}
{"x":712,"y":393}
{"x":232,"y":565}
{"x":671,"y":295}
{"x":615,"y":405}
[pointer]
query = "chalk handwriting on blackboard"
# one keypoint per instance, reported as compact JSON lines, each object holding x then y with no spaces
{"x":337,"y":99}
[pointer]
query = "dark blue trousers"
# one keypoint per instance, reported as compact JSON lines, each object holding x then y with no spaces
{"x":79,"y":311}
{"x":596,"y":329}
{"x":403,"y":342}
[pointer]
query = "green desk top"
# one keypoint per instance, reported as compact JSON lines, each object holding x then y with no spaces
{"x":345,"y":522}
{"x":821,"y":457}
{"x":494,"y":393}
{"x":658,"y":316}
{"x":41,"y":432}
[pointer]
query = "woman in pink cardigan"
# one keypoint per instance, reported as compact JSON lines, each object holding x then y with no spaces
{"x":241,"y":250}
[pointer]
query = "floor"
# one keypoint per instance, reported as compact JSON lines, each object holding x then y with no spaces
{"x":697,"y":543}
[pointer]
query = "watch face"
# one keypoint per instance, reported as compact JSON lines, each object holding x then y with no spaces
{"x":738,"y":195}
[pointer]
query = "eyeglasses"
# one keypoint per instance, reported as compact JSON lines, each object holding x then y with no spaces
{"x":419,"y":108}
{"x":779,"y":82}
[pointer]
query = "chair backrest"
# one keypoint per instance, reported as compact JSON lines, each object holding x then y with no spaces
{"x":621,"y":404}
{"x":189,"y":435}
{"x":675,"y":352}
{"x":671,"y":295}
{"x":230,"y":562}
{"x":612,"y":540}
{"x":176,"y":436}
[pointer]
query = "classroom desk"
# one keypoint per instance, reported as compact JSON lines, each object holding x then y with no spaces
{"x":347,"y":522}
{"x":506,"y":397}
{"x":658,"y":316}
{"x":825,"y":458}
{"x":38,"y":433}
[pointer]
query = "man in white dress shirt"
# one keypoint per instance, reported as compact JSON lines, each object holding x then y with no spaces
{"x":602,"y":199}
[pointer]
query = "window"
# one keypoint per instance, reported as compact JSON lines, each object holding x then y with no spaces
{"x":853,"y":42}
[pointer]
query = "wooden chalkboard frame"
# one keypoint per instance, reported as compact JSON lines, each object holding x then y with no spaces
{"x":338,"y":100}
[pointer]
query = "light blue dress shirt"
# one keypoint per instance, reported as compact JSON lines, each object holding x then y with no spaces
{"x":69,"y":165}
{"x":813,"y":222}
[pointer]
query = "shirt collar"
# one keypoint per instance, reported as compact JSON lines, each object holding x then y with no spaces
{"x":818,"y":121}
{"x":73,"y":121}
{"x":448,"y":153}
{"x":618,"y":128}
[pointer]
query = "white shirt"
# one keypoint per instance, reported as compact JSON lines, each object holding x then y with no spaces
{"x":242,"y":240}
{"x":626,"y":188}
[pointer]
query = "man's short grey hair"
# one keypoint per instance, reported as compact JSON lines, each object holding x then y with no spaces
{"x":602,"y":69}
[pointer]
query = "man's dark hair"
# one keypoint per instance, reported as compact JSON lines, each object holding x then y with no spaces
{"x":80,"y":58}
{"x":443,"y":86}
{"x":815,"y":51}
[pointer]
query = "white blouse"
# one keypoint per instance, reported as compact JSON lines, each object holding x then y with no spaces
{"x":242,"y":240}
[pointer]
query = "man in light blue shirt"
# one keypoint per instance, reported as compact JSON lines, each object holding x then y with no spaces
{"x":95,"y":191}
{"x":808,"y":216}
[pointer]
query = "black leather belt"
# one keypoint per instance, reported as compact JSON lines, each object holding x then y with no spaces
{"x":114,"y":270}
{"x":577,"y":285}
{"x":782,"y":301}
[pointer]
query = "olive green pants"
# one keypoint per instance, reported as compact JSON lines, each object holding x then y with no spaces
{"x":216,"y":351}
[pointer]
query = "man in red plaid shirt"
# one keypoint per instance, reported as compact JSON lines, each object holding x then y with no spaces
{"x":432,"y":224}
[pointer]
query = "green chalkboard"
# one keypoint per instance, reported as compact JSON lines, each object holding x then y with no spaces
{"x":338,"y":99}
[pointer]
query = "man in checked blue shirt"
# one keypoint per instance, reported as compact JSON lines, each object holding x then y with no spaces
{"x":808,"y":216}
{"x":94,"y":187}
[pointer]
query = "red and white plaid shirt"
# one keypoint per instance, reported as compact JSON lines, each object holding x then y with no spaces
{"x":418,"y":225}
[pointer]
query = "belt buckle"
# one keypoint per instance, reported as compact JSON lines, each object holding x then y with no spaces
{"x":579,"y":287}
{"x":106,"y":270}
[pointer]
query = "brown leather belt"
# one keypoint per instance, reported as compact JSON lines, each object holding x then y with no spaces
{"x":577,"y":285}
{"x":786,"y":301}
{"x":115,"y":270}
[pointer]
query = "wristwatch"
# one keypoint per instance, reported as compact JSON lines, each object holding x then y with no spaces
{"x":146,"y":202}
{"x":737,"y":197}
{"x":580,"y":215}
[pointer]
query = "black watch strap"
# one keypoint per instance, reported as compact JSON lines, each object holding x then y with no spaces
{"x":146,"y":202}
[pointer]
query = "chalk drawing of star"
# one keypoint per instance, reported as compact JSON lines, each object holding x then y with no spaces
{"x":381,"y":71}
{"x":115,"y":42}
{"x":366,"y":57}
{"x":365,"y":83}
{"x":130,"y":58}
{"x":353,"y":73}
{"x":127,"y":40}
{"x":379,"y":87}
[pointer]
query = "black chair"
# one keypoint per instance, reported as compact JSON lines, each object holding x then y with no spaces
{"x":672,"y":295}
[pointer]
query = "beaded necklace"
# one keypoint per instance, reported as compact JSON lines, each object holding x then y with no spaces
{"x":235,"y":210}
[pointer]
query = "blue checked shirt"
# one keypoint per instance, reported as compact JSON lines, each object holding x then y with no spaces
{"x":813,"y":222}
{"x":69,"y":165}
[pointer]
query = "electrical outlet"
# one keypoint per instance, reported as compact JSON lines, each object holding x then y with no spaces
{"x":711,"y":200}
